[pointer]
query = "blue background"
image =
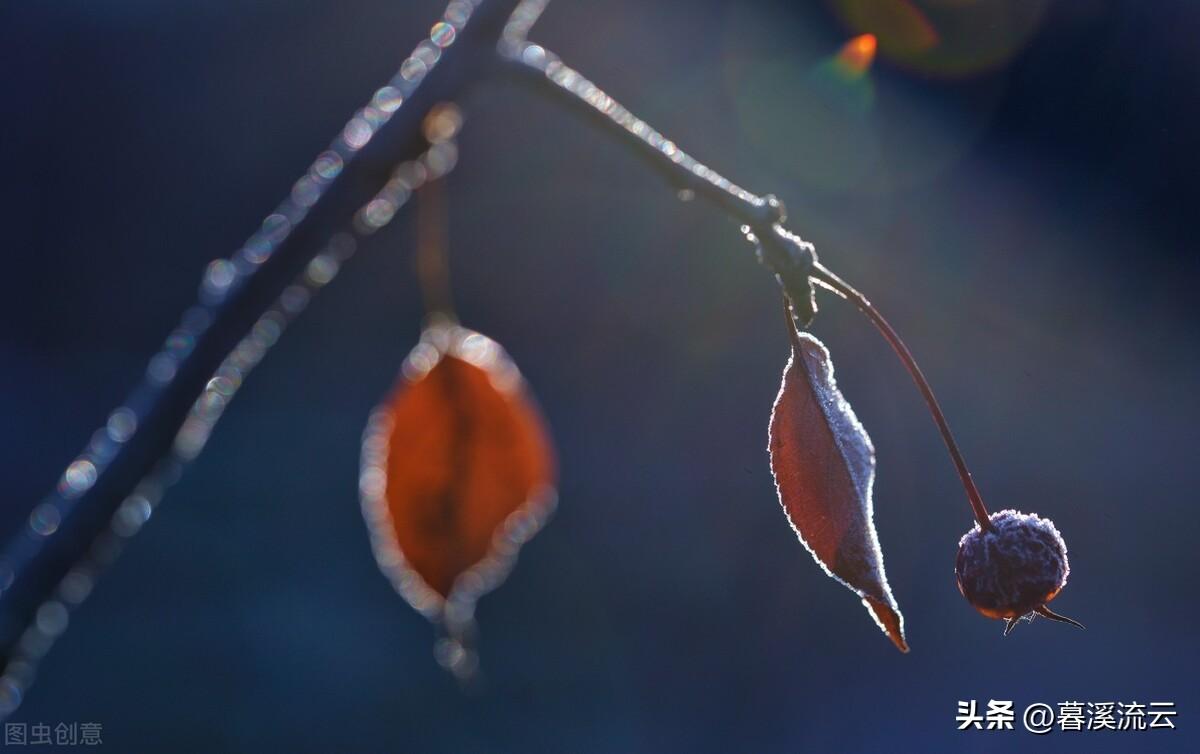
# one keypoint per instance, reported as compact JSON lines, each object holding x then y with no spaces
{"x":1028,"y":225}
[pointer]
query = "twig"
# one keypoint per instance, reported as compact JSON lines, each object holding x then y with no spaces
{"x":762,"y":217}
{"x":49,"y":566}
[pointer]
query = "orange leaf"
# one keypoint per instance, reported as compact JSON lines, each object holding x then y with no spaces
{"x":824,"y":467}
{"x":457,"y":473}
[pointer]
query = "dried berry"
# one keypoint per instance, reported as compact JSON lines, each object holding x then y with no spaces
{"x":1012,"y":567}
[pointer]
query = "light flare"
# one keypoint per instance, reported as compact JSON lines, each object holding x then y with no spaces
{"x":856,"y":55}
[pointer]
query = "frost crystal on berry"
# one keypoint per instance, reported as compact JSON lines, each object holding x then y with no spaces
{"x":1014,"y":567}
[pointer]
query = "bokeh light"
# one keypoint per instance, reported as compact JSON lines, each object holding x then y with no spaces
{"x":945,"y":38}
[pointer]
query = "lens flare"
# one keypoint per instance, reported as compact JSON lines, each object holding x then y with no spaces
{"x":945,"y":38}
{"x":856,"y":56}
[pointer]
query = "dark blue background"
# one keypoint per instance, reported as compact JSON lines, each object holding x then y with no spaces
{"x":1029,"y":227}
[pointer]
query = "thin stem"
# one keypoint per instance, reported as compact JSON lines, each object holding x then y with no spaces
{"x":828,"y":278}
{"x":433,"y":269}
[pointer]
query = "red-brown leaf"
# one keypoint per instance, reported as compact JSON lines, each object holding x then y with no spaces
{"x":458,"y":472}
{"x":824,"y":467}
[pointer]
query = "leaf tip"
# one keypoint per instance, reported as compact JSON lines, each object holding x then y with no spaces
{"x":889,"y":620}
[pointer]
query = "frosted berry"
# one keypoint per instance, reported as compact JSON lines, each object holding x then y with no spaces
{"x":1013,"y":567}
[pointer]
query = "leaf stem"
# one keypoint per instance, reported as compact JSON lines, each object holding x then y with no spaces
{"x":433,"y":268}
{"x":828,"y":279}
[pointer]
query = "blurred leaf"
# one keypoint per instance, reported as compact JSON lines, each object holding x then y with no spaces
{"x":458,"y":472}
{"x":824,"y":467}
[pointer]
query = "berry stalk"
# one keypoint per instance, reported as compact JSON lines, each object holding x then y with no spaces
{"x":828,"y":279}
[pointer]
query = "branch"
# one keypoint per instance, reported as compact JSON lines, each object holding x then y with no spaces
{"x":762,"y":217}
{"x":110,"y":489}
